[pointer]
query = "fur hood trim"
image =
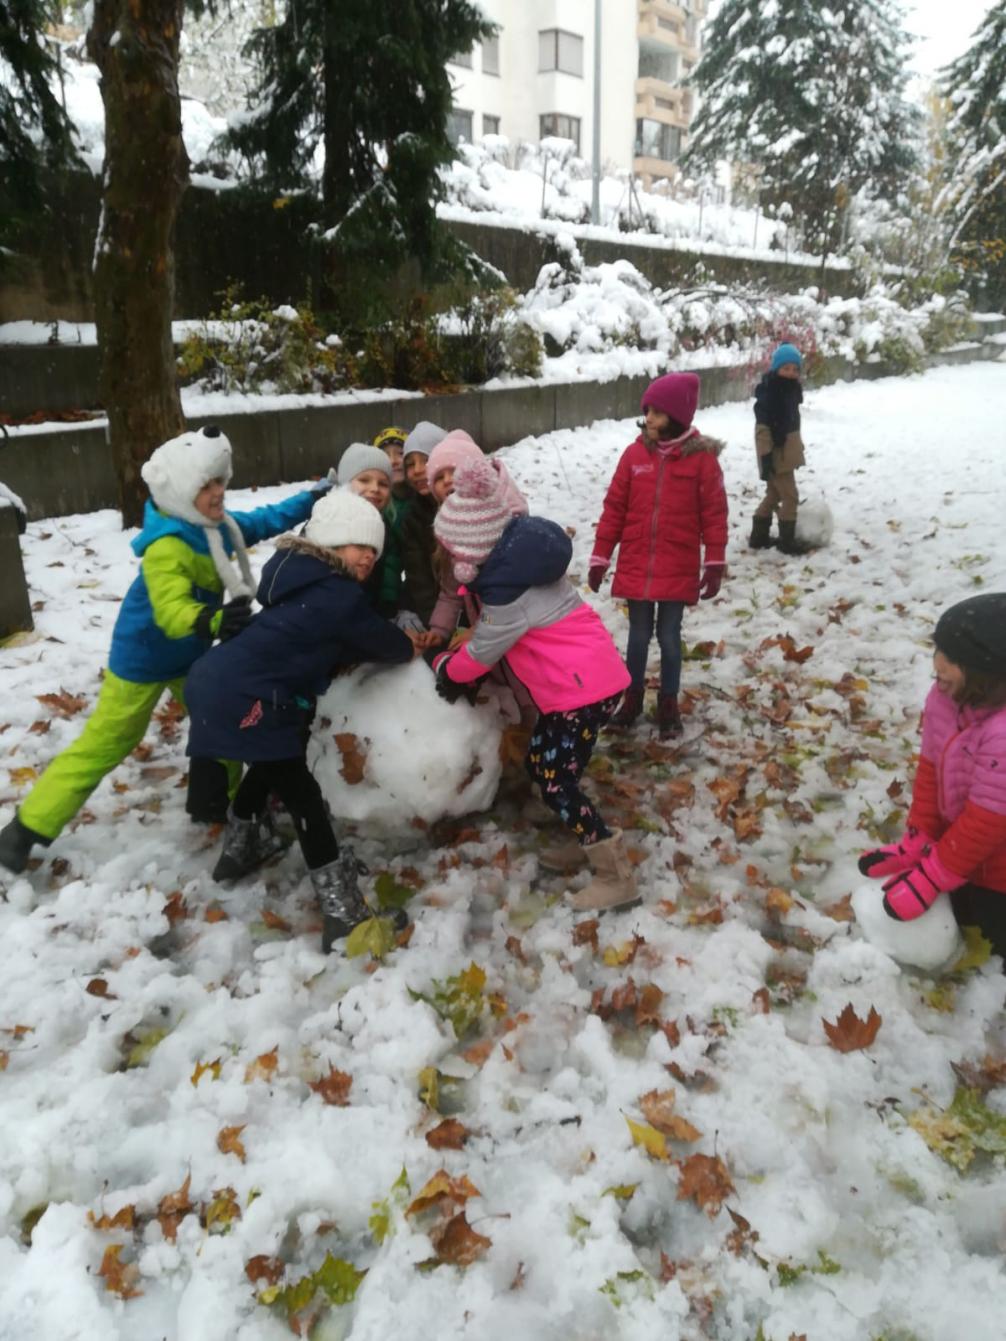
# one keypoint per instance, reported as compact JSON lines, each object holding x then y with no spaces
{"x":299,"y":544}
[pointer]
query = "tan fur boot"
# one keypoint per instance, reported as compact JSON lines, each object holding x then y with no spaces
{"x":613,"y":885}
{"x":569,"y":855}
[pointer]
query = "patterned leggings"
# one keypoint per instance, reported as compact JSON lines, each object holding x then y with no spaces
{"x":560,"y":749}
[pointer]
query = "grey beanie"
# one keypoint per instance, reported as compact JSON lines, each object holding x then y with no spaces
{"x":972,"y":633}
{"x":423,"y":438}
{"x":360,"y":456}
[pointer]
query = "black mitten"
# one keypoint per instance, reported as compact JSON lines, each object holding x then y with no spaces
{"x":766,"y":468}
{"x":234,"y":616}
{"x":450,"y":691}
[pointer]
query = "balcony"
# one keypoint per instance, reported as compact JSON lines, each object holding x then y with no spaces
{"x":662,"y":102}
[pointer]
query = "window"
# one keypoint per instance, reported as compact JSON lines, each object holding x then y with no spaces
{"x":692,"y":30}
{"x":663,"y":104}
{"x":491,"y":56}
{"x":654,"y":139}
{"x":560,"y":51}
{"x":462,"y":58}
{"x":490,"y":124}
{"x":668,"y":24}
{"x":459,"y":126}
{"x":565,"y":127}
{"x":662,"y":65}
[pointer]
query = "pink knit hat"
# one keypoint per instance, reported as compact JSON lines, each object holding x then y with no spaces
{"x":458,"y":446}
{"x":675,"y":394}
{"x":471,"y":519}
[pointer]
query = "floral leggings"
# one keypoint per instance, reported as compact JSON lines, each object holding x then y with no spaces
{"x":560,"y":749}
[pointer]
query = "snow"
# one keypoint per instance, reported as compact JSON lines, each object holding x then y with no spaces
{"x":816,"y":1142}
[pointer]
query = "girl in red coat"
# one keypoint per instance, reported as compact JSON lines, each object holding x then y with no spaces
{"x":666,"y":504}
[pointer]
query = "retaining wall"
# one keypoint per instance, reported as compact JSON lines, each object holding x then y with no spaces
{"x":15,"y":607}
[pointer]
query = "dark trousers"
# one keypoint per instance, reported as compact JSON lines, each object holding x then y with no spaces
{"x":985,"y":909}
{"x":559,"y":750}
{"x":297,"y":788}
{"x":668,"y":620}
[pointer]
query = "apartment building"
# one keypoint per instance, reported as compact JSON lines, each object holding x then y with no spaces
{"x":536,"y":78}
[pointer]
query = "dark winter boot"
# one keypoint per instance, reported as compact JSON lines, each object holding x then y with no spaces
{"x":632,"y":706}
{"x":788,"y":543}
{"x":668,"y":716}
{"x":16,"y":842}
{"x":761,"y":533}
{"x":248,"y":844}
{"x":343,"y":906}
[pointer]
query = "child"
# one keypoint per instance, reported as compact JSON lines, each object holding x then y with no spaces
{"x":169,"y":618}
{"x":253,"y":698}
{"x":955,"y":842}
{"x":367,"y":471}
{"x":392,"y":442}
{"x":420,"y":587}
{"x":665,"y":502}
{"x":533,"y":621}
{"x":780,"y":449}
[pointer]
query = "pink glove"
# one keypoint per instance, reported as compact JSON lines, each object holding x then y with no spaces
{"x":910,"y":895}
{"x":893,"y":858}
{"x":711,"y":579}
{"x":595,"y":575}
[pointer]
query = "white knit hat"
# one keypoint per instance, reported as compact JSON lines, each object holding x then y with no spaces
{"x":360,"y":456}
{"x":344,"y":518}
{"x":471,"y":519}
{"x":179,"y":468}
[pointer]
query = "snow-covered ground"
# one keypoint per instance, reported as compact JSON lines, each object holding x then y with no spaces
{"x":162,"y":1142}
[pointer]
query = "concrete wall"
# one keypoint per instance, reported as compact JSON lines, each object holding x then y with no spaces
{"x":15,"y":607}
{"x":71,"y":469}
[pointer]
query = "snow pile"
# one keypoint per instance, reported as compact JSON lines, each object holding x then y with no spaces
{"x":815,"y":524}
{"x":932,"y":942}
{"x":436,"y":759}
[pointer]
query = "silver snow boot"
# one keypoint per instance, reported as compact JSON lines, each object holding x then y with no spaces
{"x":248,"y":844}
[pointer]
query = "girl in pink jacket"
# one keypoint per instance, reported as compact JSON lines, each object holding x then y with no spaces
{"x":532,"y":619}
{"x":665,"y":505}
{"x":955,"y":842}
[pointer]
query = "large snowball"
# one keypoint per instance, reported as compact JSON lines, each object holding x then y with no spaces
{"x":814,"y":523}
{"x":931,"y":942}
{"x":386,"y":747}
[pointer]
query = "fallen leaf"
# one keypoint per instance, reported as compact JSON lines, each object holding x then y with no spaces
{"x":20,"y":777}
{"x":705,"y":1180}
{"x":99,"y":987}
{"x":648,"y":1006}
{"x":585,"y":933}
{"x":651,"y":1140}
{"x":173,"y":1208}
{"x":851,"y":1034}
{"x":514,"y":947}
{"x":333,"y":1088}
{"x":447,"y":1135}
{"x":742,"y":1235}
{"x":222,"y":1211}
{"x":41,"y":727}
{"x":778,"y":902}
{"x":457,"y":1243}
{"x":982,"y":1076}
{"x":263,"y":1267}
{"x":215,"y":914}
{"x":63,"y":704}
{"x":4,"y":1060}
{"x":478,"y":1053}
{"x":263,"y":1067}
{"x":120,"y":1277}
{"x":840,"y":911}
{"x":441,"y":1190}
{"x":761,"y":1001}
{"x":201,"y":1068}
{"x":176,"y":909}
{"x":658,"y":1109}
{"x":616,"y":956}
{"x":354,"y":757}
{"x":229,"y":1141}
{"x":122,"y":1219}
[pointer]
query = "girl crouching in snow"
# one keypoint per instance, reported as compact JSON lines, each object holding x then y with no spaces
{"x":253,"y":697}
{"x":532,"y":619}
{"x":955,"y":842}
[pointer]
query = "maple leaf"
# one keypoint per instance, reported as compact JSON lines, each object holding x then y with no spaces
{"x":173,"y":1208}
{"x":263,"y":1067}
{"x":585,"y":933}
{"x":354,"y":757}
{"x":791,"y":652}
{"x":124,"y":1218}
{"x":176,"y":909}
{"x":41,"y":727}
{"x":982,"y":1076}
{"x":264,"y":1267}
{"x":441,"y":1190}
{"x":742,"y":1235}
{"x":201,"y":1068}
{"x":220,"y":1213}
{"x":616,"y":956}
{"x":120,"y":1277}
{"x":333,"y":1088}
{"x":63,"y":704}
{"x":705,"y":1180}
{"x":651,"y":1140}
{"x":726,"y":791}
{"x":658,"y":1108}
{"x":229,"y":1141}
{"x":851,"y":1034}
{"x":457,"y":1243}
{"x":447,"y":1135}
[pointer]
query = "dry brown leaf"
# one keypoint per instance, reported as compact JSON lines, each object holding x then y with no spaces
{"x":41,"y":727}
{"x":585,"y":933}
{"x":982,"y":1076}
{"x":215,"y":914}
{"x":840,"y":911}
{"x":63,"y":704}
{"x":761,"y":1001}
{"x":173,"y":1208}
{"x":4,"y":1060}
{"x":263,"y":1067}
{"x":120,"y":1277}
{"x":778,"y":902}
{"x":333,"y":1088}
{"x":648,"y":1006}
{"x":176,"y":909}
{"x":742,"y":1235}
{"x":274,"y":921}
{"x":658,"y":1109}
{"x":447,"y":1135}
{"x":851,"y":1034}
{"x":441,"y":1190}
{"x":99,"y":987}
{"x":264,"y":1267}
{"x":705,"y":1180}
{"x":478,"y":1053}
{"x":229,"y":1141}
{"x":457,"y":1243}
{"x":354,"y":756}
{"x":124,"y":1218}
{"x":514,"y":947}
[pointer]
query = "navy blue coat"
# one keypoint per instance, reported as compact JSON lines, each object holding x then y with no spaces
{"x":252,"y":698}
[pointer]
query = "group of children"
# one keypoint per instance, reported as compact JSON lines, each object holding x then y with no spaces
{"x":412,"y":537}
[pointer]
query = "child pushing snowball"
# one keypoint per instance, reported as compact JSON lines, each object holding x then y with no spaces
{"x":532,"y":620}
{"x":780,"y":449}
{"x":420,"y":584}
{"x":367,"y":472}
{"x":666,"y":504}
{"x":169,"y":617}
{"x":392,"y":442}
{"x":253,"y":698}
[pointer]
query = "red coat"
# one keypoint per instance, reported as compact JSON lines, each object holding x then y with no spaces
{"x":661,"y":508}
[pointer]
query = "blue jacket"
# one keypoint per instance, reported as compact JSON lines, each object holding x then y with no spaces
{"x":252,"y":698}
{"x":531,"y":552}
{"x":153,"y":639}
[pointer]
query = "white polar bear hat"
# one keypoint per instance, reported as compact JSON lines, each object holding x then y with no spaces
{"x":180,"y":467}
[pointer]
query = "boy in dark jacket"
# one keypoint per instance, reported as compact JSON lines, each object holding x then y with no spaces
{"x":253,"y":698}
{"x":780,"y":449}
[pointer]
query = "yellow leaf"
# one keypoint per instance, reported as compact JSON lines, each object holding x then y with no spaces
{"x":263,"y":1067}
{"x":649,"y":1138}
{"x":201,"y":1069}
{"x":617,"y":955}
{"x":22,"y":776}
{"x":976,"y":953}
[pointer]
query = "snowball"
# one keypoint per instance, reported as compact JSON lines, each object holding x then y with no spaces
{"x":420,"y":757}
{"x":814,"y":523}
{"x":931,"y":942}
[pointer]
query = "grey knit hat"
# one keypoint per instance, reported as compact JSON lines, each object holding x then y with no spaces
{"x":423,"y":438}
{"x":360,"y":456}
{"x":972,"y":633}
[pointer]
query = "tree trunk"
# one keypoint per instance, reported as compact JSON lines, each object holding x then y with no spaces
{"x":135,"y":46}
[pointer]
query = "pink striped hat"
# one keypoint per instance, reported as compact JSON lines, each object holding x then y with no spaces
{"x":471,"y":520}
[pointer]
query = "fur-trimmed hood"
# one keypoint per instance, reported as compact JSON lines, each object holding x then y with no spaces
{"x":692,"y":442}
{"x":297,"y":565}
{"x":300,"y":544}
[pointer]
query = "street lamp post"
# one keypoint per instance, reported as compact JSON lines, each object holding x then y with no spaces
{"x":595,"y":199}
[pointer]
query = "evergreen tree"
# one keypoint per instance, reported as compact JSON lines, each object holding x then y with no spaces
{"x":367,"y":79}
{"x":34,"y":131}
{"x":975,"y":85}
{"x":812,"y":96}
